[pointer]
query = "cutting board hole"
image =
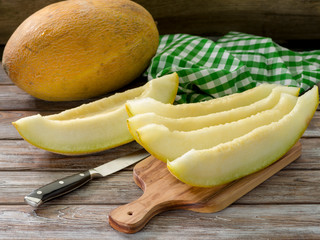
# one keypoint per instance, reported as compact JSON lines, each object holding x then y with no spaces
{"x":130,"y":213}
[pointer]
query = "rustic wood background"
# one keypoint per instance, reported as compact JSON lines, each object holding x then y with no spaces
{"x":281,"y":20}
{"x":287,"y":206}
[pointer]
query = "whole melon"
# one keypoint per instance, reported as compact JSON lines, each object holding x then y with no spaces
{"x":77,"y":49}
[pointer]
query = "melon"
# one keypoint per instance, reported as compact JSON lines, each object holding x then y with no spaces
{"x":167,"y":145}
{"x":225,"y":103}
{"x":248,"y":153}
{"x":92,"y":127}
{"x":73,"y":50}
{"x":197,"y":122}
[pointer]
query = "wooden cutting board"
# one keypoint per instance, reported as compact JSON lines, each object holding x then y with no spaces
{"x":163,"y":192}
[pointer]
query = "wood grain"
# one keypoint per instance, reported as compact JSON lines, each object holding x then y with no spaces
{"x":314,"y":126}
{"x":286,"y":187}
{"x":7,"y":130}
{"x":13,"y":98}
{"x":20,"y":155}
{"x":4,"y":79}
{"x":286,"y":206}
{"x":153,"y":177}
{"x":236,"y":222}
{"x":286,"y":19}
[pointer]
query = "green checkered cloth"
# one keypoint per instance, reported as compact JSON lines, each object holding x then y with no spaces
{"x":235,"y":63}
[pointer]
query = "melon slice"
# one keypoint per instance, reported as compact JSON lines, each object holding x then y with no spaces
{"x":193,"y":123}
{"x":160,"y":89}
{"x":249,"y":153}
{"x":93,"y":127}
{"x":168,"y":145}
{"x":236,"y":100}
{"x":102,"y":106}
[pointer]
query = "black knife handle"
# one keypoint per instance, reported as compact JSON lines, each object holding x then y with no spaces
{"x":57,"y":188}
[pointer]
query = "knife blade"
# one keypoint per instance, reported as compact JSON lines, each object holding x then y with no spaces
{"x":70,"y":183}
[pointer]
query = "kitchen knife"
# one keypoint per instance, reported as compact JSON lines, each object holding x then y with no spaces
{"x":70,"y":183}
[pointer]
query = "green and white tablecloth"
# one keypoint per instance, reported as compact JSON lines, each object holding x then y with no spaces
{"x":235,"y":63}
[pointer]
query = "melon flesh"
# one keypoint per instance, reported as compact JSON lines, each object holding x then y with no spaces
{"x":168,"y":145}
{"x":159,"y":89}
{"x":249,"y":153}
{"x":102,"y":106}
{"x":93,"y":127}
{"x":236,"y":100}
{"x":193,"y":123}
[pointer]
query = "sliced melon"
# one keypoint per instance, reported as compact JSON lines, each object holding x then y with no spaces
{"x":249,"y":153}
{"x":161,"y":91}
{"x":168,"y":145}
{"x":193,"y":123}
{"x":102,"y":106}
{"x":236,"y":100}
{"x":93,"y":127}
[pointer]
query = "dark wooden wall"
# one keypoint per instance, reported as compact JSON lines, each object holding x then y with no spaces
{"x":279,"y":19}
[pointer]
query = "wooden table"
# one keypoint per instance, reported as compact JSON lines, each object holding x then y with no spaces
{"x":287,"y":206}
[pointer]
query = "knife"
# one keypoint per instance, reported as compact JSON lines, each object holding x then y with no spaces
{"x":70,"y":183}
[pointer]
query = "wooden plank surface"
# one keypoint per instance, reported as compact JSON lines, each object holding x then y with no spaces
{"x":236,"y":222}
{"x":286,"y":19}
{"x":20,"y":155}
{"x":286,"y":206}
{"x":286,"y":187}
{"x":4,"y":79}
{"x":13,"y":98}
